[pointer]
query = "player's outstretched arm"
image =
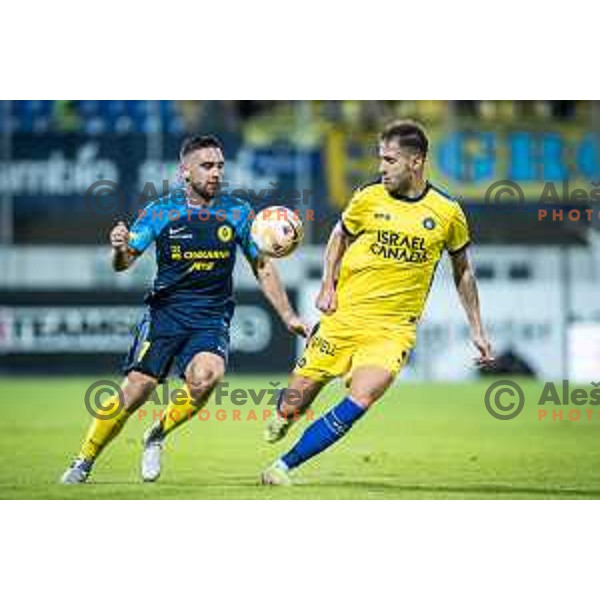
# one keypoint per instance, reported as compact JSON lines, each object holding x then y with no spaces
{"x":122,"y":257}
{"x":338,"y":243}
{"x":466,"y":285}
{"x":273,"y":289}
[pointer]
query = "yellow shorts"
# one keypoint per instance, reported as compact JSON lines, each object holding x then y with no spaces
{"x":331,"y":352}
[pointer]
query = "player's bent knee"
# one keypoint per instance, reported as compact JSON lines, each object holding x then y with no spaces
{"x":291,"y":399}
{"x":303,"y":386}
{"x":298,"y":395}
{"x":139,"y":378}
{"x":202,"y":382}
{"x":300,"y":382}
{"x":368,"y":385}
{"x":368,"y":395}
{"x":137,"y":387}
{"x":205,"y":377}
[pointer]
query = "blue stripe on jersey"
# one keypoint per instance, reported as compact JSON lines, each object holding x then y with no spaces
{"x":443,"y":192}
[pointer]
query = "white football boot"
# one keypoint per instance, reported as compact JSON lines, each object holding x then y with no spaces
{"x":153,"y":447}
{"x":276,"y":474}
{"x":78,"y":472}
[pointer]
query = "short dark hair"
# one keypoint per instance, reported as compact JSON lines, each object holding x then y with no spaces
{"x":195,"y":142}
{"x":410,"y":135}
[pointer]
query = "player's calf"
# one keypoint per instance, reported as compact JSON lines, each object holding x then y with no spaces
{"x":292,"y":403}
{"x":108,"y":422}
{"x":324,"y":432}
{"x":369,"y":384}
{"x":203,"y":373}
{"x":178,"y":412}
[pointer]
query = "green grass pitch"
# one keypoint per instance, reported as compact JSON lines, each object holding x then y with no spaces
{"x":420,"y":441}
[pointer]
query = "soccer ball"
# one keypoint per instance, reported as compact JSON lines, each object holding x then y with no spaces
{"x":277,"y":231}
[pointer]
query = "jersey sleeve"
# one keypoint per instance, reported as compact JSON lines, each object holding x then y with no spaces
{"x":143,"y":232}
{"x":244,"y":238}
{"x":354,"y":216}
{"x":458,"y":232}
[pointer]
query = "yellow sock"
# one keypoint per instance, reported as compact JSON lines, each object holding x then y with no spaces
{"x":102,"y":431}
{"x":180,"y":411}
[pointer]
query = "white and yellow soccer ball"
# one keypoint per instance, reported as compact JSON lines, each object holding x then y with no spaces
{"x":277,"y":231}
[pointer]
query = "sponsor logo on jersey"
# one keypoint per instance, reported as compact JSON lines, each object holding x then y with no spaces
{"x":179,"y":233}
{"x":385,"y":216}
{"x":400,"y":246}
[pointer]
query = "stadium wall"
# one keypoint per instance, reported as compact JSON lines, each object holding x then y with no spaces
{"x":539,"y":304}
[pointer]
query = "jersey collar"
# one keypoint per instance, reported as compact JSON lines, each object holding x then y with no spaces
{"x":404,"y":198}
{"x":214,"y":201}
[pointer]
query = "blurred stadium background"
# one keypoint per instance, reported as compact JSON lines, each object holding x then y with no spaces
{"x":62,"y":309}
{"x":65,"y":317}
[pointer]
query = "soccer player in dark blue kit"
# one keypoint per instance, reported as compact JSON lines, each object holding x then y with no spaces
{"x":190,"y":305}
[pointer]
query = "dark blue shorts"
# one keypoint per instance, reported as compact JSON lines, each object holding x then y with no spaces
{"x":157,"y":355}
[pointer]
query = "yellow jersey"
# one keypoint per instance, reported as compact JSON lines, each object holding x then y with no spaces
{"x":387,"y":271}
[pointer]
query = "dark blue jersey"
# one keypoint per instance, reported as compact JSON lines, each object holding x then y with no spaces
{"x":195,"y":257}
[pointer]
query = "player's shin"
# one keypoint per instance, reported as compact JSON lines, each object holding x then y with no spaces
{"x":291,"y":405}
{"x":324,"y":432}
{"x":181,"y":408}
{"x":105,"y":427}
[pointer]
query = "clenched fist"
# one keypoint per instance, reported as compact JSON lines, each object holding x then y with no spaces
{"x":296,"y":325}
{"x":326,"y":299}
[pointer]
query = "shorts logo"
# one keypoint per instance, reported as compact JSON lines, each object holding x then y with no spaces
{"x":225,"y":233}
{"x":322,"y":345}
{"x":429,"y":223}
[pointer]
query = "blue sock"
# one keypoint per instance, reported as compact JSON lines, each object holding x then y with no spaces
{"x":324,"y":432}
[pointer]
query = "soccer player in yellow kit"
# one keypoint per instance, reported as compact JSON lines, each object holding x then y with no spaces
{"x":378,"y":269}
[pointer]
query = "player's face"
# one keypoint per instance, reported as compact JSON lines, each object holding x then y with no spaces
{"x":204,"y":169}
{"x":398,"y":168}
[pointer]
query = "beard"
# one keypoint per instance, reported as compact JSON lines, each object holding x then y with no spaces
{"x":207,"y":191}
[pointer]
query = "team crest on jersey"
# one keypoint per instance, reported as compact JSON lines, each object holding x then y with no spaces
{"x":429,"y":223}
{"x":225,"y":233}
